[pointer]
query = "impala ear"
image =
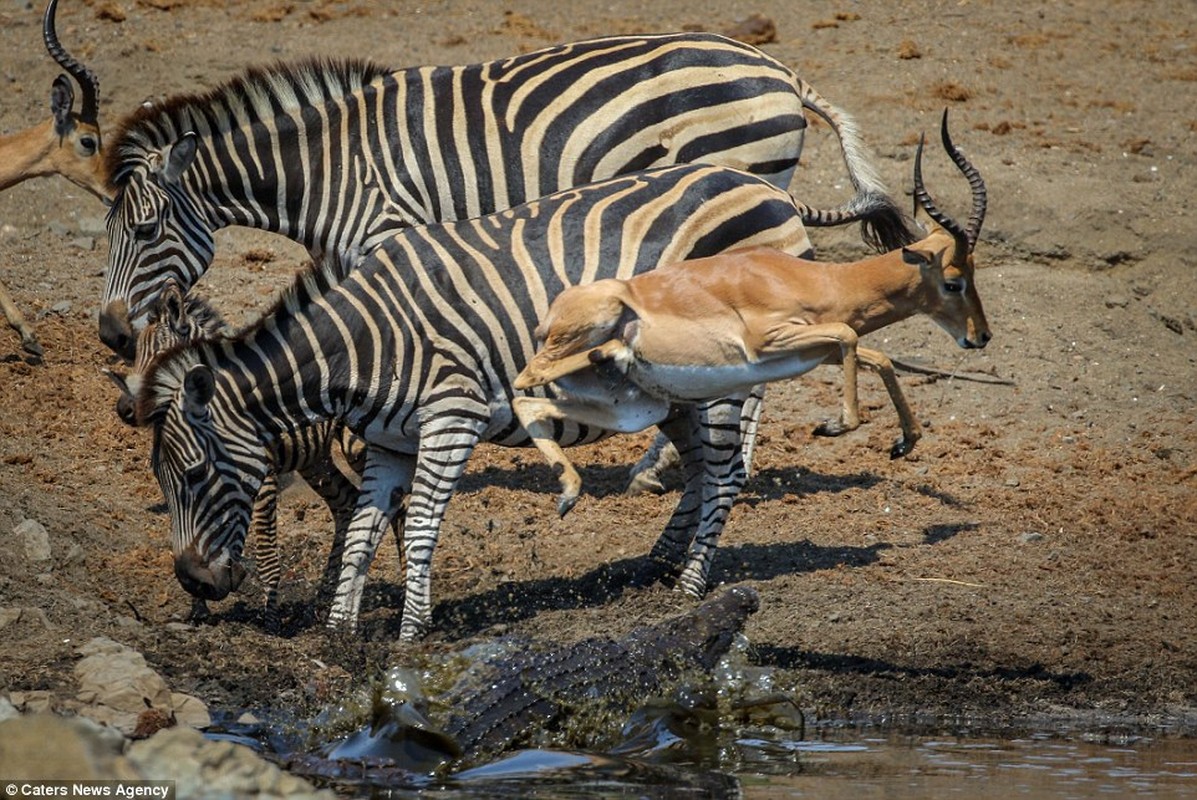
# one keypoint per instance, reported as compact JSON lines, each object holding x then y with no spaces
{"x":62,"y":98}
{"x":179,"y":157}
{"x":199,"y":386}
{"x":916,"y":256}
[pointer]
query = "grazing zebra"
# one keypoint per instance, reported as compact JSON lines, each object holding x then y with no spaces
{"x":274,"y":149}
{"x":416,"y":350}
{"x":180,"y":319}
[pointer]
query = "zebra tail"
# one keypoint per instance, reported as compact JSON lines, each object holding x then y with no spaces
{"x":884,"y":226}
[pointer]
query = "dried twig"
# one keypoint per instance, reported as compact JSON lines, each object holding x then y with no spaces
{"x":977,"y":377}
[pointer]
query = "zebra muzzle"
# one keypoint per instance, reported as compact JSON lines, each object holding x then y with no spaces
{"x":208,"y":580}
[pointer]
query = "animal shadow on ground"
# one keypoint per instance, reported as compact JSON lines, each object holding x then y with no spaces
{"x":965,"y":673}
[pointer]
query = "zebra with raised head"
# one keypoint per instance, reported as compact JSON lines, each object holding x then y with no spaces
{"x":416,"y":350}
{"x":178,"y":320}
{"x":274,"y":149}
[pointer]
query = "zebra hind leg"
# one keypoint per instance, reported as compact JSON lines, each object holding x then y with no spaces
{"x":662,"y":456}
{"x":667,"y":553}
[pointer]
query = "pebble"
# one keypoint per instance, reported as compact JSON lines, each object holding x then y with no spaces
{"x":1117,"y":301}
{"x":1030,"y":537}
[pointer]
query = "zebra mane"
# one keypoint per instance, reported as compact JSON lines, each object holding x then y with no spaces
{"x":257,"y":94}
{"x":166,"y":371}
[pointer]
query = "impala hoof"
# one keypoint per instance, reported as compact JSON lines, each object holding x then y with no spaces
{"x":901,"y":448}
{"x":565,"y":503}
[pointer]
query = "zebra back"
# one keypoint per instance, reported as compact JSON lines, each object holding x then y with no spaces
{"x":338,"y":154}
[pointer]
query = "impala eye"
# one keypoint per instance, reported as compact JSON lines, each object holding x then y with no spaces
{"x":953,"y":287}
{"x":88,"y":145}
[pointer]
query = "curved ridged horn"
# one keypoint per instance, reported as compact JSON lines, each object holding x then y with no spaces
{"x":967,"y":236}
{"x":87,"y":80}
{"x":975,"y":219}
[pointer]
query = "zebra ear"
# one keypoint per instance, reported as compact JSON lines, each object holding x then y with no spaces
{"x":198,"y":388}
{"x":172,"y":308}
{"x":179,"y":157}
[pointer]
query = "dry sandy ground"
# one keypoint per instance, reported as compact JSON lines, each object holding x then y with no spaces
{"x":1033,"y":558}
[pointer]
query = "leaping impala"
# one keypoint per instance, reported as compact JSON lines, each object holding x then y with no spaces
{"x":623,"y":352}
{"x":66,"y":144}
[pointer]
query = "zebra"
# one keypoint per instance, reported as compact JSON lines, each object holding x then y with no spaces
{"x":179,"y":319}
{"x":272,"y":149}
{"x":415,"y":350}
{"x":342,"y":154}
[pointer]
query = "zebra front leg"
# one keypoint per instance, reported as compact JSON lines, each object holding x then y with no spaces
{"x":264,"y":525}
{"x":387,"y":475}
{"x":446,"y":443}
{"x":646,"y":473}
{"x":723,"y":478}
{"x":17,"y":321}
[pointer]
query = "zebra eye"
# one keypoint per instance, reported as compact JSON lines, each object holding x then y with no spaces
{"x":194,"y":475}
{"x":145,"y":230}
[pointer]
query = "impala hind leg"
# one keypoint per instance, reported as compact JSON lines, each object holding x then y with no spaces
{"x":536,"y":415}
{"x":16,"y":320}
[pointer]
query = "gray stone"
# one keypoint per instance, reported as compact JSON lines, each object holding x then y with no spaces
{"x":204,"y":768}
{"x":116,"y":686}
{"x":35,"y":539}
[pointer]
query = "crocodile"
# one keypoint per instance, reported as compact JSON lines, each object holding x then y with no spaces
{"x":541,"y":688}
{"x":501,"y":702}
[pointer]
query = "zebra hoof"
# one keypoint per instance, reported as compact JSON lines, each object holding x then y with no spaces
{"x":644,"y":483}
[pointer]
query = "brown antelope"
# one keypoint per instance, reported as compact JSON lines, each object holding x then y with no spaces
{"x":66,"y":144}
{"x":624,"y":352}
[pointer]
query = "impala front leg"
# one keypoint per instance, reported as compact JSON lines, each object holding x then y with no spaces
{"x":811,"y":345}
{"x":879,"y":363}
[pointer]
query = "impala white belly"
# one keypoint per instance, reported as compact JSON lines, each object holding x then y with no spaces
{"x":705,"y":382}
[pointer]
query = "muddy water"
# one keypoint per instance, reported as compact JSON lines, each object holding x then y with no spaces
{"x":892,"y":767}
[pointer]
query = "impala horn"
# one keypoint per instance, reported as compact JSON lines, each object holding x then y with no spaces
{"x":87,"y":80}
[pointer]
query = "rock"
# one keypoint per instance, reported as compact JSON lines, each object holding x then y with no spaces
{"x":82,"y":750}
{"x":1030,"y":537}
{"x":35,"y":702}
{"x":7,"y":709}
{"x":13,"y":616}
{"x":117,"y":686}
{"x":204,"y":768}
{"x":1117,"y":301}
{"x":93,"y":226}
{"x":35,"y":539}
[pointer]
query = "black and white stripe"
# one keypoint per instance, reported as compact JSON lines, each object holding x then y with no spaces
{"x":339,"y":155}
{"x":309,"y":451}
{"x":415,"y":351}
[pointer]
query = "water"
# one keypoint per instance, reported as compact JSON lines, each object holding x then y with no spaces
{"x":848,"y":762}
{"x":739,"y":737}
